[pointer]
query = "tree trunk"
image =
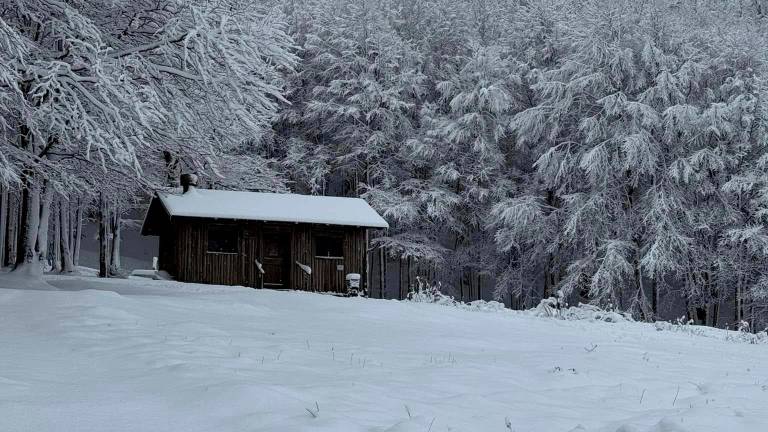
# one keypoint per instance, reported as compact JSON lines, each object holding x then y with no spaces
{"x":78,"y":231}
{"x":382,"y":273}
{"x":11,"y":233}
{"x":45,"y":217}
{"x":547,"y":278}
{"x":3,"y":224}
{"x":646,"y":309}
{"x":67,"y":264}
{"x":29,"y":224}
{"x":116,"y":234}
{"x":104,"y":264}
{"x":171,"y":169}
{"x":408,"y":269}
{"x":708,"y":305}
{"x":736,"y":294}
{"x":656,"y":297}
{"x":58,"y":232}
{"x":701,"y":315}
{"x":368,"y":288}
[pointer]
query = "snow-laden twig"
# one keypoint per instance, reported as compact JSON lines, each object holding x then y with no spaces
{"x":314,"y":412}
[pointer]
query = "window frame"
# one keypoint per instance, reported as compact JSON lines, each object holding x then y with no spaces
{"x":329,"y":238}
{"x":234,"y":230}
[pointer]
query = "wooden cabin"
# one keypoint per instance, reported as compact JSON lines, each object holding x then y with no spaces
{"x":262,"y":240}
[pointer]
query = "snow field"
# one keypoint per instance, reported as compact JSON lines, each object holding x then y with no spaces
{"x":142,"y":355}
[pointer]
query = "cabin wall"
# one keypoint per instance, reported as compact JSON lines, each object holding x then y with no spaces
{"x":184,"y":253}
{"x":302,"y":252}
{"x":251,"y":250}
{"x":195,"y":264}
{"x":167,"y":254}
{"x":329,"y":274}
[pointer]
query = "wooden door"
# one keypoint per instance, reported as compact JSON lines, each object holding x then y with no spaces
{"x":275,"y":260}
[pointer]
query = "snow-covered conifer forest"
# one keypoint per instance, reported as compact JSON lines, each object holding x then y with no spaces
{"x":604,"y":151}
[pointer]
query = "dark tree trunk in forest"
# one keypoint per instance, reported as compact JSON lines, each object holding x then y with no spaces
{"x":11,"y":232}
{"x":408,"y":269}
{"x":58,"y":232}
{"x":736,"y":302}
{"x":67,"y":252}
{"x":641,"y":295}
{"x":172,"y":170}
{"x":547,"y":278}
{"x":382,"y":273}
{"x":3,"y":225}
{"x":368,"y":277}
{"x":104,"y":223}
{"x":116,"y":237}
{"x":46,"y":198}
{"x":29,"y":223}
{"x":78,"y":234}
{"x":21,"y":223}
{"x":701,"y":315}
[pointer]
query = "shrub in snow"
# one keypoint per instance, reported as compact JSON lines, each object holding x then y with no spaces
{"x":743,"y":333}
{"x":594,"y":313}
{"x":747,"y":336}
{"x":424,"y":292}
{"x":548,"y":308}
{"x":553,"y":308}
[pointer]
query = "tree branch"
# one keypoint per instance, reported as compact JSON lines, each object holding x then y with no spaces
{"x":147,"y":47}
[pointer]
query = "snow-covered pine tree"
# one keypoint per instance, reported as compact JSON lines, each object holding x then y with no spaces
{"x":640,"y":131}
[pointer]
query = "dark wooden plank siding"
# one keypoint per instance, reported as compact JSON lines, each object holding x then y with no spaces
{"x":327,"y":276}
{"x":167,"y":254}
{"x":188,"y":239}
{"x":251,"y":243}
{"x":222,"y":269}
{"x":190,"y":260}
{"x":302,"y":252}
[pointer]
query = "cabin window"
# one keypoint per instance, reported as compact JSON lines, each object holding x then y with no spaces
{"x":222,"y":239}
{"x":329,"y":246}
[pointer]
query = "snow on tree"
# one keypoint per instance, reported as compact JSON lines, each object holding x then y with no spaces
{"x":110,"y":84}
{"x":602,"y":151}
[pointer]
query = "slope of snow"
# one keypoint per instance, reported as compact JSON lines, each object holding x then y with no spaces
{"x":142,"y":355}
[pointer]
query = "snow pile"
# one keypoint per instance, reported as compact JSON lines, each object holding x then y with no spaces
{"x":25,"y":278}
{"x":550,"y":308}
{"x":741,"y":335}
{"x":425,"y":292}
{"x":143,"y":355}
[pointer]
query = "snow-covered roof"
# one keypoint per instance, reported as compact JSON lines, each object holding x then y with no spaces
{"x":272,"y":207}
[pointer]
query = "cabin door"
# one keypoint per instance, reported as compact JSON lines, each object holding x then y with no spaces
{"x":275,"y":260}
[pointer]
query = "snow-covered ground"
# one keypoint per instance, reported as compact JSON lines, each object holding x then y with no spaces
{"x":142,"y":355}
